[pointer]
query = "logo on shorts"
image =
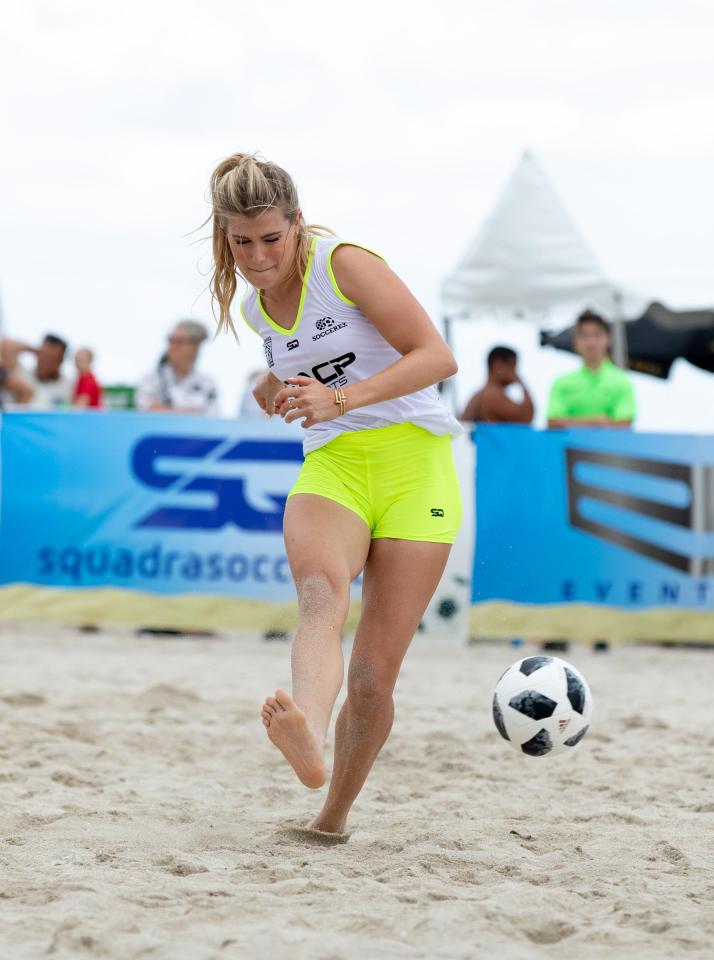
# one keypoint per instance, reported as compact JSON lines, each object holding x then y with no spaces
{"x":437,"y":512}
{"x":268,"y":347}
{"x":292,"y":344}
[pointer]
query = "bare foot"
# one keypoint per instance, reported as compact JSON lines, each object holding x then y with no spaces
{"x":310,"y":834}
{"x":288,"y":729}
{"x":329,"y":827}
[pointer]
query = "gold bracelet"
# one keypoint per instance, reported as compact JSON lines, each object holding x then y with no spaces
{"x":340,"y":399}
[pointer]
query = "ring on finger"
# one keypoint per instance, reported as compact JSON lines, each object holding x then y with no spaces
{"x":291,"y":402}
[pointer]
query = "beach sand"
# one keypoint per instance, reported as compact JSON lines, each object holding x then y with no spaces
{"x":143,"y":813}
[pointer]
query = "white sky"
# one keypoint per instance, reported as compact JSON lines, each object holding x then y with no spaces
{"x":399,"y":121}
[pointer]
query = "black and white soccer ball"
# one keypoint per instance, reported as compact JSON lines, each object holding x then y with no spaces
{"x":542,"y":706}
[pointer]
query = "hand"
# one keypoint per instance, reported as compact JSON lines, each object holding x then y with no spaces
{"x":265,"y":392}
{"x":305,"y":397}
{"x":19,"y":389}
{"x":11,"y":349}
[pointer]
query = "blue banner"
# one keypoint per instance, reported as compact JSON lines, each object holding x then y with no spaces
{"x":175,"y":505}
{"x":594,"y":516}
{"x":159,"y":503}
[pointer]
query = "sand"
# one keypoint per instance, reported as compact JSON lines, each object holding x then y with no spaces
{"x":143,"y":813}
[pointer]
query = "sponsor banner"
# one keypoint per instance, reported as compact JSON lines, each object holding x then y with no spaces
{"x":151,"y":502}
{"x":594,"y":516}
{"x":447,"y":615}
{"x":180,"y":506}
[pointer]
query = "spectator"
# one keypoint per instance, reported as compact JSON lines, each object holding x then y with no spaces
{"x":249,"y":405}
{"x":87,"y":392}
{"x":492,"y":404}
{"x":176,"y":386}
{"x":48,"y":388}
{"x":598,"y":394}
{"x":13,"y":389}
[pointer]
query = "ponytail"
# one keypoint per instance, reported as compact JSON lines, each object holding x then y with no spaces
{"x":242,"y":185}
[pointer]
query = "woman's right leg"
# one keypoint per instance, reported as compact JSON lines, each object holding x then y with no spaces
{"x":327,"y":546}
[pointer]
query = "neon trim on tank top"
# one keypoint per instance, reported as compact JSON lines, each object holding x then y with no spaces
{"x":303,"y":292}
{"x":331,"y":273}
{"x":242,"y":313}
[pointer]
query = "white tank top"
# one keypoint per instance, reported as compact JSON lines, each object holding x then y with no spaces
{"x":334,"y":342}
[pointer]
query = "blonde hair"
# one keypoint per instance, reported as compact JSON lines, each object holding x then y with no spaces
{"x":244,"y":185}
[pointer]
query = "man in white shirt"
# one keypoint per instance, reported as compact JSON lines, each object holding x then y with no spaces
{"x":47,"y":388}
{"x":13,"y":389}
{"x":176,"y":386}
{"x":248,"y":407}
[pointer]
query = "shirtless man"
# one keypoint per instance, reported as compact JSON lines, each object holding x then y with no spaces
{"x":492,"y":404}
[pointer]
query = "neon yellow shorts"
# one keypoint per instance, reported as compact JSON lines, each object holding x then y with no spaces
{"x":400,"y":480}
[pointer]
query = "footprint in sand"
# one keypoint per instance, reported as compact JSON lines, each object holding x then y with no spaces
{"x":180,"y":868}
{"x":672,"y":854}
{"x":69,"y":779}
{"x":635,"y":721}
{"x":71,"y":938}
{"x":23,"y":700}
{"x":164,"y":696}
{"x":552,"y":932}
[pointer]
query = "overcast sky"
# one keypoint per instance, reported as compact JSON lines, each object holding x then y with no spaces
{"x":400,"y":123}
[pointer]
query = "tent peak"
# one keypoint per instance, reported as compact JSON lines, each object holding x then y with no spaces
{"x":528,"y":255}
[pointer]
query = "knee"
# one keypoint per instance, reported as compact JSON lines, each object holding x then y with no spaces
{"x":368,"y":687}
{"x":320,"y":592}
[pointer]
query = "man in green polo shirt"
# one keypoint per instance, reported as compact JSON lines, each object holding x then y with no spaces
{"x":598,"y":394}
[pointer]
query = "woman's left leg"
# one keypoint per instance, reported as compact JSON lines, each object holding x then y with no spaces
{"x":400,"y":577}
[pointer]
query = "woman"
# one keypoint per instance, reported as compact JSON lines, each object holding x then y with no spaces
{"x":353,"y":356}
{"x":87,"y":391}
{"x":176,"y":385}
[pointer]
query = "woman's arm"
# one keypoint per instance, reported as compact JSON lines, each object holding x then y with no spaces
{"x":391,"y":307}
{"x":388,"y":304}
{"x":564,"y":423}
{"x":266,"y":390}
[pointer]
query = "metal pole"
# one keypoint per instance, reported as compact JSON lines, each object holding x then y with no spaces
{"x":448,"y":387}
{"x":619,"y":335}
{"x":447,"y":332}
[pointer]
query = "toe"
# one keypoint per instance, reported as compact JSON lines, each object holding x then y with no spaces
{"x":284,"y":700}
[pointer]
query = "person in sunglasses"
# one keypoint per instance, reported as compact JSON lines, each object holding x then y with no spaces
{"x":176,"y":386}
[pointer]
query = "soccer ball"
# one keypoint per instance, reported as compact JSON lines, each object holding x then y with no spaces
{"x":542,"y":705}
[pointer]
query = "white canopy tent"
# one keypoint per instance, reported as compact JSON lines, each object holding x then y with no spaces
{"x":528,"y":261}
